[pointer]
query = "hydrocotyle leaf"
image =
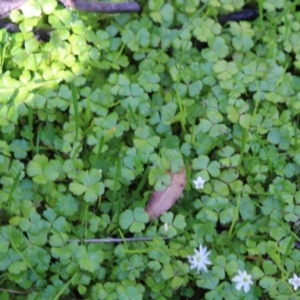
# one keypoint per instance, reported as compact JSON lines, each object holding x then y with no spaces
{"x":163,"y":201}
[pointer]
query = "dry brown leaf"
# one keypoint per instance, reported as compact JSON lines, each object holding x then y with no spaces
{"x":163,"y":201}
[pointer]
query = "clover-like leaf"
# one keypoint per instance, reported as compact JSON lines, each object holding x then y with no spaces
{"x":19,"y":148}
{"x":31,"y":9}
{"x":66,"y":205}
{"x":48,"y":6}
{"x":149,"y":81}
{"x":17,"y":267}
{"x":203,"y":163}
{"x":42,"y":170}
{"x":217,"y":49}
{"x":243,"y":33}
{"x":179,"y":222}
{"x":206,"y":29}
{"x":161,"y":12}
{"x":88,"y":184}
{"x":134,"y":220}
{"x":89,"y":258}
{"x":225,"y":70}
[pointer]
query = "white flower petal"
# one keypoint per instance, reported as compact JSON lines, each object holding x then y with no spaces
{"x":242,"y":281}
{"x":239,"y":285}
{"x":200,"y":259}
{"x":202,"y":266}
{"x":295,"y":282}
{"x":199,"y":182}
{"x":246,"y":288}
{"x":236,"y":278}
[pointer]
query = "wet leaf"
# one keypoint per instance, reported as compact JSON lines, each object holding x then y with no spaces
{"x":161,"y":202}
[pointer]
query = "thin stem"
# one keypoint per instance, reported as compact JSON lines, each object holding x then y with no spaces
{"x":116,"y":240}
{"x":12,"y":291}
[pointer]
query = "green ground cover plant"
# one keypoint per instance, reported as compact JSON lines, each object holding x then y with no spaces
{"x":93,"y":121}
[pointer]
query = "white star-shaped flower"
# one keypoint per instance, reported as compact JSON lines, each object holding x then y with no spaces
{"x":200,"y":259}
{"x":243,"y":281}
{"x":199,"y":182}
{"x":295,"y":282}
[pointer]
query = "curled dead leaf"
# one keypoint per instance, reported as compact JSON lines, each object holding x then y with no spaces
{"x":163,"y":201}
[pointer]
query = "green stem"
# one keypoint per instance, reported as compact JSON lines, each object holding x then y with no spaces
{"x":236,"y":215}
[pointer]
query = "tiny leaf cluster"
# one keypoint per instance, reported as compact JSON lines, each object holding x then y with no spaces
{"x":95,"y":120}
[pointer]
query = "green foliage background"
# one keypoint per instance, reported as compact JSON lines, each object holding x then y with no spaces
{"x":91,"y":121}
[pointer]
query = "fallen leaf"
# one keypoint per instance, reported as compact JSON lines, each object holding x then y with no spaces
{"x":163,"y":201}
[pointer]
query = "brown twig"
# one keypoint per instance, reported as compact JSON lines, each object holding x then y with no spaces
{"x":12,"y":291}
{"x":117,"y":240}
{"x":6,"y":6}
{"x":101,"y":7}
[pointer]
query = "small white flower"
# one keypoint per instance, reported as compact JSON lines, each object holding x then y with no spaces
{"x":166,"y":227}
{"x":199,"y":182}
{"x":295,"y":282}
{"x":200,"y":259}
{"x":243,"y":281}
